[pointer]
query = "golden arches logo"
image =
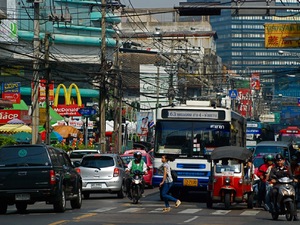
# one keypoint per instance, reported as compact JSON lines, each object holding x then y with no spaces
{"x":68,"y":94}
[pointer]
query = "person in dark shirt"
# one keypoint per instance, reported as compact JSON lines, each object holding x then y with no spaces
{"x":277,"y":172}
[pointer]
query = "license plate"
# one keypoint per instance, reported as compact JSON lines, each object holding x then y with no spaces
{"x":190,"y":182}
{"x":96,"y":185}
{"x":22,"y":197}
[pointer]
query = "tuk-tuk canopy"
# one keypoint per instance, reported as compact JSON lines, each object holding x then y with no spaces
{"x":231,"y":152}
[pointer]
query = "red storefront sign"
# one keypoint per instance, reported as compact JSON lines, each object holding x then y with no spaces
{"x":245,"y":106}
{"x":67,"y":110}
{"x":7,"y":115}
{"x":15,"y":98}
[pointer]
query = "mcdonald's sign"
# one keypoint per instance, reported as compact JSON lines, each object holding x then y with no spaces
{"x":70,"y":108}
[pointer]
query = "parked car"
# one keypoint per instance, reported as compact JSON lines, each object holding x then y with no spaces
{"x":148,"y":159}
{"x":102,"y":173}
{"x":33,"y":173}
{"x":76,"y":155}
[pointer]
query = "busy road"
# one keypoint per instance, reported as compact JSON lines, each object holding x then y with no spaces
{"x":107,"y":209}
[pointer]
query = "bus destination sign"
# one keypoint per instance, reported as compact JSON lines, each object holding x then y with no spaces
{"x":193,"y":114}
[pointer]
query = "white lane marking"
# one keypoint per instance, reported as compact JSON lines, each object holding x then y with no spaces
{"x":131,"y":210}
{"x":157,"y":210}
{"x":193,"y":218}
{"x":221,"y":212}
{"x":190,"y":211}
{"x":249,"y":213}
{"x":105,"y":209}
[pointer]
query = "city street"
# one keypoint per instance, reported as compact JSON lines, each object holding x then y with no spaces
{"x":108,"y":209}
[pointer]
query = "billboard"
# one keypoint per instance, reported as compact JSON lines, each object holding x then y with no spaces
{"x":8,"y":27}
{"x":282,"y":35}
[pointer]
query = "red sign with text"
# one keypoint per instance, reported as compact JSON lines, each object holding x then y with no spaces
{"x":245,"y":106}
{"x":67,"y":110}
{"x":7,"y":115}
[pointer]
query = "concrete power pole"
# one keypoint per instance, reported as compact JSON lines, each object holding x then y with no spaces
{"x":102,"y":90}
{"x":35,"y":89}
{"x":48,"y":81}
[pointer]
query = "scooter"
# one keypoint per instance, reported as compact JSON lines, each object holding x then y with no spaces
{"x":285,"y":200}
{"x":136,"y":186}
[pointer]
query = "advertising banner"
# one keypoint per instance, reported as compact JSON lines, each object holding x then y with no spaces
{"x":282,"y":35}
{"x":144,"y":120}
{"x":245,"y":102}
{"x":11,"y":91}
{"x":255,"y":81}
{"x":70,"y":108}
{"x":7,"y":115}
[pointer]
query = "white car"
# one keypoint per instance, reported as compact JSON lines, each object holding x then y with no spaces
{"x":76,"y":155}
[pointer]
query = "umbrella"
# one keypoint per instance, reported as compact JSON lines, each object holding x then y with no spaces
{"x":22,"y":137}
{"x":15,"y":121}
{"x":15,"y":128}
{"x":54,"y":136}
{"x":68,"y":131}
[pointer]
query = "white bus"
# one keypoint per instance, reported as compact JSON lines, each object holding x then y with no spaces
{"x":190,"y":133}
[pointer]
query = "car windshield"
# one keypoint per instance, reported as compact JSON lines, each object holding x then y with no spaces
{"x":97,"y":161}
{"x":24,"y":156}
{"x":258,"y":162}
{"x":128,"y":158}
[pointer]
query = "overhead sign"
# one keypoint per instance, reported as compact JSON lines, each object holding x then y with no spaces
{"x":88,"y":111}
{"x":233,"y":94}
{"x":6,"y":115}
{"x":255,"y":81}
{"x":282,"y":35}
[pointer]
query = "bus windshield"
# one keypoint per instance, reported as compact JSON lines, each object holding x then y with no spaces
{"x":190,"y":138}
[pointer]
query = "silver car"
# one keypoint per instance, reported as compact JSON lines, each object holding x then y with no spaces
{"x":102,"y":173}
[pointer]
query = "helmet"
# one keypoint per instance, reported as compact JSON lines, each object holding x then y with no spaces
{"x":268,"y":157}
{"x":137,"y":155}
{"x":279,"y":157}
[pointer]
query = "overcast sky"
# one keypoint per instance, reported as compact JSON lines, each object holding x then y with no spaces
{"x":152,"y":3}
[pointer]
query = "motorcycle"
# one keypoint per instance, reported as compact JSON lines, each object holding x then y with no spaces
{"x":136,"y":186}
{"x":285,"y":200}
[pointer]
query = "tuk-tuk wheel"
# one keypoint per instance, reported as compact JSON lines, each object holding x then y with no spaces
{"x":250,"y":200}
{"x":209,"y":202}
{"x":227,"y":200}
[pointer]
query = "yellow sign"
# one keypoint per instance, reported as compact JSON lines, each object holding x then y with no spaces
{"x":68,"y":94}
{"x":280,"y":35}
{"x":43,"y":115}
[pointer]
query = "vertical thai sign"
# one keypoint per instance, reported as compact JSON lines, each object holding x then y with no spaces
{"x":11,"y":91}
{"x":255,"y":81}
{"x":8,"y":27}
{"x":245,"y":102}
{"x":42,"y":93}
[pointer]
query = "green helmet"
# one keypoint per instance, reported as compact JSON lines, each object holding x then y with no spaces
{"x":269,"y":157}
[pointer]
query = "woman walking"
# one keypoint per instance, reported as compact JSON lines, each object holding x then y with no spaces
{"x":166,"y":184}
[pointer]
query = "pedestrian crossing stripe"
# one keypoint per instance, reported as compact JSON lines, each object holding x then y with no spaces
{"x":190,"y":211}
{"x":129,"y":210}
{"x":221,"y":212}
{"x":249,"y":213}
{"x":103,"y":209}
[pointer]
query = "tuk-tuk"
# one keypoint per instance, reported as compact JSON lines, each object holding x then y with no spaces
{"x":231,"y":179}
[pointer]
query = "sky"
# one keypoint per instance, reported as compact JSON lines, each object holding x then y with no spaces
{"x":152,"y":3}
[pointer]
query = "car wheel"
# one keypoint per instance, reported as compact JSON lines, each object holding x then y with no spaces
{"x":60,"y":204}
{"x":77,"y":202}
{"x":21,"y":207}
{"x":3,"y":207}
{"x":86,"y":195}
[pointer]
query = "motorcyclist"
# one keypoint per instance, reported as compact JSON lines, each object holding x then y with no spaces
{"x":262,"y":173}
{"x":136,"y":164}
{"x":278,"y":171}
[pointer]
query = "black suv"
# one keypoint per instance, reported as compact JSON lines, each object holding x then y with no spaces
{"x":31,"y":173}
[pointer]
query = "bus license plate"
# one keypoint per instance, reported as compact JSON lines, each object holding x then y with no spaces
{"x":22,"y":197}
{"x":190,"y":182}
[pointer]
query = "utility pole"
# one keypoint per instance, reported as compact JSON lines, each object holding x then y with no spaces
{"x":48,"y":81}
{"x":102,"y":90}
{"x":35,"y":90}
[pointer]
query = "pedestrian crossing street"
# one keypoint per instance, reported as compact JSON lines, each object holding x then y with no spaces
{"x":187,"y":209}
